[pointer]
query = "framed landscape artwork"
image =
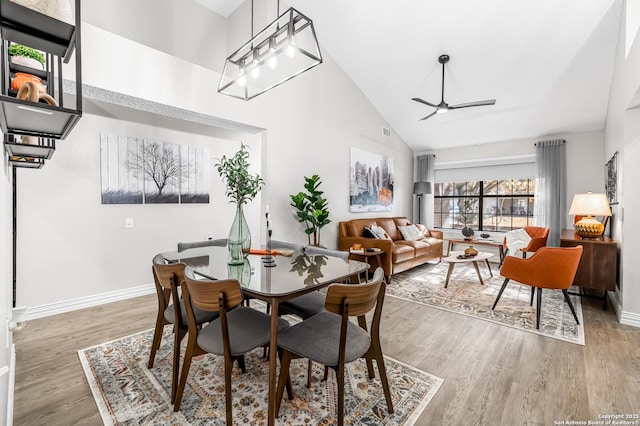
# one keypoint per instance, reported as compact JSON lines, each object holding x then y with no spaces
{"x":370,"y":182}
{"x":147,"y":171}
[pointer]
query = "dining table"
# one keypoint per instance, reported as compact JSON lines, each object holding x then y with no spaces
{"x":273,"y":279}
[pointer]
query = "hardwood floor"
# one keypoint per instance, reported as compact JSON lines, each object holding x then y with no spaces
{"x":493,"y":375}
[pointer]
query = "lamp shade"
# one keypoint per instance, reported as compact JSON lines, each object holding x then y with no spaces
{"x":420,"y":188}
{"x":590,"y":205}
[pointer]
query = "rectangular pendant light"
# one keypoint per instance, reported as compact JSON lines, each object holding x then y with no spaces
{"x":285,"y":48}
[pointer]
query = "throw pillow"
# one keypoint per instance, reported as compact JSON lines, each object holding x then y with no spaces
{"x":380,"y":232}
{"x":423,"y":229}
{"x":368,"y":233}
{"x":410,"y":233}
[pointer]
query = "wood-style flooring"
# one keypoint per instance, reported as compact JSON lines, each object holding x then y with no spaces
{"x":493,"y":375}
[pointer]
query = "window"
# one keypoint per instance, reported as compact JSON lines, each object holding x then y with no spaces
{"x":484,"y":205}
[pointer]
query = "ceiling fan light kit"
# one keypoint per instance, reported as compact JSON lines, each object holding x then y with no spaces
{"x":443,"y":107}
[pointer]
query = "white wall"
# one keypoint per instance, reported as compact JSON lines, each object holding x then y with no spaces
{"x":71,"y":246}
{"x":585,"y":152}
{"x":622,"y":133}
{"x":81,"y":248}
{"x":184,"y":29}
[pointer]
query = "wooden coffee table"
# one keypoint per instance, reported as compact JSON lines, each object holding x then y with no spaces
{"x":452,"y":259}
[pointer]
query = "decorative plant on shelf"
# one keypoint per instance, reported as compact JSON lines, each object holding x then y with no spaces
{"x":26,"y":56}
{"x":242,"y":187}
{"x":311,"y":208}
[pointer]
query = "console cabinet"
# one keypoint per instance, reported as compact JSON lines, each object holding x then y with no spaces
{"x":598,"y":268}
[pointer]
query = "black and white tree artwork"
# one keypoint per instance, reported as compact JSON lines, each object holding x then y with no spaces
{"x":136,"y":171}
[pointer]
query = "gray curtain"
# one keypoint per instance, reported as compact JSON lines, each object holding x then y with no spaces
{"x":425,"y":173}
{"x":551,"y":182}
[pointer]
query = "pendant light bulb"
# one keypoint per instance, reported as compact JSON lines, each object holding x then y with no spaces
{"x":242,"y":75}
{"x":272,"y":62}
{"x":291,"y":47}
{"x":255,"y":70}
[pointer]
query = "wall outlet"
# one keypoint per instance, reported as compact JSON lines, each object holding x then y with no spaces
{"x":128,"y":223}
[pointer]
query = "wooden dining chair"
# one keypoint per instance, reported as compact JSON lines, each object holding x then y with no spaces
{"x":167,"y":278}
{"x":237,"y":331}
{"x":309,"y":304}
{"x":331,"y":339}
{"x":550,"y":267}
{"x":220,"y":242}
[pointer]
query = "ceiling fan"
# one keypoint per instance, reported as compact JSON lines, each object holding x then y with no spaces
{"x":443,"y":106}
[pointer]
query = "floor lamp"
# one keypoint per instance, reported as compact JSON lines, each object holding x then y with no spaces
{"x":419,"y":189}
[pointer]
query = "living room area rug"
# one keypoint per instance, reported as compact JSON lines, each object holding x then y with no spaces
{"x":465,"y":295}
{"x":128,"y":393}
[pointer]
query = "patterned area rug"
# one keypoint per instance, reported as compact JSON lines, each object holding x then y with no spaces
{"x":465,"y":295}
{"x":128,"y":393}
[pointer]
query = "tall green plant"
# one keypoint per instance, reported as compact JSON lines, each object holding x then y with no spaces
{"x":234,"y":171}
{"x":311,"y":208}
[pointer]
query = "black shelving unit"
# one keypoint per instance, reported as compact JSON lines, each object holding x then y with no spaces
{"x":61,"y":43}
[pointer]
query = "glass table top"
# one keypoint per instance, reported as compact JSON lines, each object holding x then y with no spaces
{"x":288,"y":275}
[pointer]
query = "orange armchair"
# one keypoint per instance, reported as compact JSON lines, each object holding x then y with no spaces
{"x":538,"y":236}
{"x":550,"y":267}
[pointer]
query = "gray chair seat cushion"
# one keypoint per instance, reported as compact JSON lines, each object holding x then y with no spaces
{"x":304,"y":306}
{"x":201,"y":316}
{"x":318,"y":339}
{"x":248,"y":329}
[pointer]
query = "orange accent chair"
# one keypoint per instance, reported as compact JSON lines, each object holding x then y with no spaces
{"x":538,"y":236}
{"x":550,"y":267}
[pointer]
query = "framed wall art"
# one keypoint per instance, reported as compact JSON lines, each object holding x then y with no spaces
{"x":611,"y":179}
{"x":370,"y":182}
{"x":147,"y":171}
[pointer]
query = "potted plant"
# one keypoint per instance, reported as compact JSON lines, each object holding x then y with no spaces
{"x":26,"y":56}
{"x":311,"y":208}
{"x":242,"y":187}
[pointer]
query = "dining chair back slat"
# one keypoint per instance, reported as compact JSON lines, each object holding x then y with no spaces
{"x":205,"y":296}
{"x":361,"y":298}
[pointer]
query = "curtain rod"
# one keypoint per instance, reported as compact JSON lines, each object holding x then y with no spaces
{"x":550,"y":140}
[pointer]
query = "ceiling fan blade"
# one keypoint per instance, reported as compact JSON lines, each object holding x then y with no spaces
{"x":432,"y":114}
{"x":422,"y":101}
{"x":474,"y":104}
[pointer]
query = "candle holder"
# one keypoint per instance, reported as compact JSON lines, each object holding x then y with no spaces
{"x":268,"y":260}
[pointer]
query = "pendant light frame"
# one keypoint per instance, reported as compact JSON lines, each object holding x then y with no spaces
{"x":290,"y":39}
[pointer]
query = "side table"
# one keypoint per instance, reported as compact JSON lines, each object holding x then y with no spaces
{"x":366,"y":255}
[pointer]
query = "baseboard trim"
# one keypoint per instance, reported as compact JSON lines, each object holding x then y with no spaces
{"x":34,"y":312}
{"x":629,"y":318}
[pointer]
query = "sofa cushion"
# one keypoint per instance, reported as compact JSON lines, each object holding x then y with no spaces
{"x":356,"y":226}
{"x":410,"y":233}
{"x":401,"y":252}
{"x":420,"y":248}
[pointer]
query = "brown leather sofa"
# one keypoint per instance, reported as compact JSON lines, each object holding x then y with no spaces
{"x":397,"y":254}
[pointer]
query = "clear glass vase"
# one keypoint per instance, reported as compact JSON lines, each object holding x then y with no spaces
{"x":239,"y":239}
{"x":241,"y":272}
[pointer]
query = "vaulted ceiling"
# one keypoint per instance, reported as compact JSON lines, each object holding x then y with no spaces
{"x":548,"y":63}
